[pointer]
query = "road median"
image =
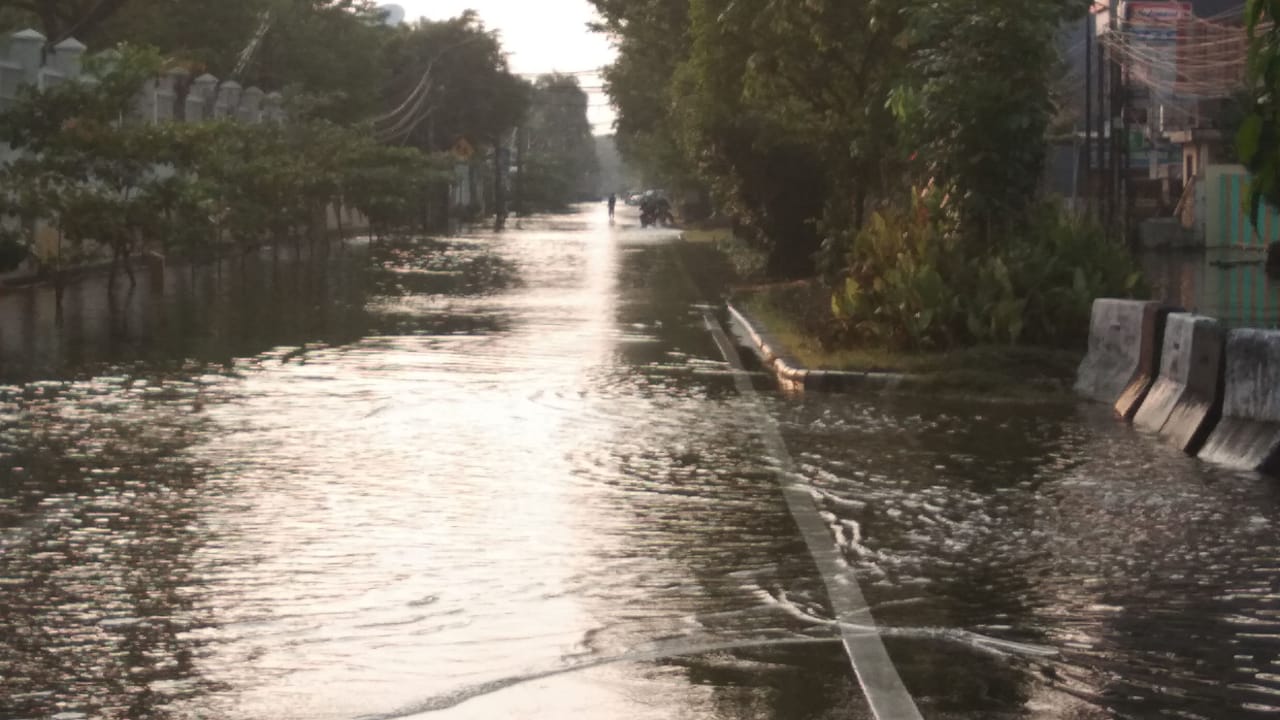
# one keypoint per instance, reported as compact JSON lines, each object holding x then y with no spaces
{"x":801,"y":364}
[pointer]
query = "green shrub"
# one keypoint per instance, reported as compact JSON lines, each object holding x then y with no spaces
{"x":912,"y":282}
{"x":900,"y":288}
{"x":1060,"y":266}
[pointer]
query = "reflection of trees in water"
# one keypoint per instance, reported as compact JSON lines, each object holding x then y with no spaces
{"x":240,"y":307}
{"x":406,"y":266}
{"x":99,"y":499}
{"x":1191,"y":594}
{"x":805,"y":684}
{"x":96,"y":609}
{"x":697,"y":513}
{"x":1147,"y":570}
{"x":938,"y":500}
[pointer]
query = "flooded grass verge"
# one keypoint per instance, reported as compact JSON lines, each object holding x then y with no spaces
{"x":786,"y":313}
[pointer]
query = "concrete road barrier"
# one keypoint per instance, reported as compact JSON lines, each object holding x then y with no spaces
{"x":1248,"y":435}
{"x":1186,"y":401}
{"x":1124,"y":353}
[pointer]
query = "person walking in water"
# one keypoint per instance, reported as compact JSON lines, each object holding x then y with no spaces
{"x":613,"y":203}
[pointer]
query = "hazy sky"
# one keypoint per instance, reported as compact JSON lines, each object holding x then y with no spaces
{"x":540,"y":35}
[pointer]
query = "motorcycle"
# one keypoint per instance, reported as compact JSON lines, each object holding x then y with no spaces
{"x":653,"y":215}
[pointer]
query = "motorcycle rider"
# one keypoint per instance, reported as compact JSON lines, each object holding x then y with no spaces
{"x":655,"y":209}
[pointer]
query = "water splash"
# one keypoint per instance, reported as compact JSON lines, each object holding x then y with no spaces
{"x":461,"y":695}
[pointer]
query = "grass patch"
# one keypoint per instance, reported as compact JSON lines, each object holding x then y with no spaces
{"x":748,"y":262}
{"x":792,"y":313}
{"x":709,"y":235}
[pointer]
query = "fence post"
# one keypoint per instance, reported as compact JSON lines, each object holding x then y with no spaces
{"x":228,"y":100}
{"x":251,"y":106}
{"x":202,"y":89}
{"x":167,"y":97}
{"x":68,"y":58}
{"x":26,"y":47}
{"x":273,"y":107}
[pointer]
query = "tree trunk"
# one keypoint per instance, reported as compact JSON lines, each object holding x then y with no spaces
{"x":128,"y":268}
{"x":50,"y":20}
{"x":111,"y":274}
{"x":59,"y":289}
{"x":499,"y":186}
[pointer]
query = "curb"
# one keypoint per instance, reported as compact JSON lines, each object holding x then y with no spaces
{"x":794,"y":377}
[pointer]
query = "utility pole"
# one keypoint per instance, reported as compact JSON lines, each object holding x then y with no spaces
{"x":1103,"y":173}
{"x":1115,"y":111}
{"x":1120,"y":135}
{"x":427,"y":215}
{"x":522,"y":142}
{"x":1088,"y":110}
{"x":499,"y":184}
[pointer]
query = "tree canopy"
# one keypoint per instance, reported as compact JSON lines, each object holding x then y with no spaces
{"x":450,"y":80}
{"x":61,"y":19}
{"x":1258,"y":139}
{"x":802,"y":116}
{"x":559,"y":164}
{"x":376,"y":115}
{"x":895,"y":149}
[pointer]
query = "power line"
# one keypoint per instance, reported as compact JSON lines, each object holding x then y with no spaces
{"x":578,"y":73}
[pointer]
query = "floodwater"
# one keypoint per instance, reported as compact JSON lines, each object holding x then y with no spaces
{"x":1230,"y":284}
{"x":511,"y":476}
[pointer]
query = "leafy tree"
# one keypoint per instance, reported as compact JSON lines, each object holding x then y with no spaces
{"x":908,"y":137}
{"x":1258,"y":140}
{"x":12,"y":19}
{"x":61,"y":19}
{"x":388,"y":184}
{"x":771,"y":178}
{"x":450,"y":85}
{"x":560,"y":164}
{"x":329,"y":49}
{"x":787,"y":102}
{"x":652,"y":39}
{"x":198,"y":189}
{"x":824,"y":70}
{"x":977,"y":103}
{"x":81,"y":169}
{"x":778,"y":107}
{"x":450,"y":80}
{"x":204,"y":36}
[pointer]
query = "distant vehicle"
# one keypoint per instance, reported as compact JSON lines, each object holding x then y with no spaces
{"x":656,"y":210}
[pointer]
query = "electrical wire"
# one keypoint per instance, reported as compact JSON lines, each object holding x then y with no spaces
{"x":1184,"y":59}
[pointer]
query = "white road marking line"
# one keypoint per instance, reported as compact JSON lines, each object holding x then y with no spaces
{"x":880,"y":681}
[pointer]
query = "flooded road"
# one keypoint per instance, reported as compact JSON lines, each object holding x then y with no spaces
{"x":510,"y":476}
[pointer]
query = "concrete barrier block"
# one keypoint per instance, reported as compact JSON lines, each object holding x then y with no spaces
{"x":1248,"y":436}
{"x":1124,"y":353}
{"x":1185,"y":402}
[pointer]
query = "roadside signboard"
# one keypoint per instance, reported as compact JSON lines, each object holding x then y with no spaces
{"x":1153,"y":21}
{"x":1151,"y":30}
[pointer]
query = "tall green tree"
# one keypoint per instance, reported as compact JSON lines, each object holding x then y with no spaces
{"x":784,"y":105}
{"x":773,"y":179}
{"x":450,"y":88}
{"x":652,"y":39}
{"x":559,"y":164}
{"x":976,"y":105}
{"x":450,"y":80}
{"x":1258,"y":139}
{"x":206,"y":36}
{"x":329,"y":49}
{"x":61,"y":19}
